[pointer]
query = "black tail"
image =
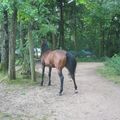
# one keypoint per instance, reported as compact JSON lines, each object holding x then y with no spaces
{"x":71,"y":63}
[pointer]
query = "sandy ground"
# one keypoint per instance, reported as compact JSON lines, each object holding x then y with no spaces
{"x":98,"y":98}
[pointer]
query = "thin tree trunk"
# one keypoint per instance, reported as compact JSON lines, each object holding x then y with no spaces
{"x":61,"y":25}
{"x":21,"y":36}
{"x":53,"y":41}
{"x":75,"y":43}
{"x":24,"y":51}
{"x":5,"y":43}
{"x":1,"y":40}
{"x":12,"y":44}
{"x":32,"y":64}
{"x":118,"y":38}
{"x":101,"y":41}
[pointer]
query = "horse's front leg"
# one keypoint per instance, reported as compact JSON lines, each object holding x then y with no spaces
{"x":49,"y":74}
{"x":43,"y":70}
{"x":61,"y":82}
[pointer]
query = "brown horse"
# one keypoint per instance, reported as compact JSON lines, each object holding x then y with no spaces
{"x":57,"y":59}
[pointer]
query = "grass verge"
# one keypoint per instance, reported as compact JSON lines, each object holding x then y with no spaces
{"x":20,"y":80}
{"x":90,"y":59}
{"x":110,"y":74}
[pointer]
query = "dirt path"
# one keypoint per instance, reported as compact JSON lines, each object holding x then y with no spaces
{"x":98,"y":99}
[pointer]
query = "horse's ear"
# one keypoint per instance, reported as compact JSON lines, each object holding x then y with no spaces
{"x":43,"y":41}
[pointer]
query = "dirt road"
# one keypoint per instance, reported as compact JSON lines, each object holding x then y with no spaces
{"x":98,"y":99}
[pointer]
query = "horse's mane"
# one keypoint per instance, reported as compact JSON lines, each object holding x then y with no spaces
{"x":44,"y":46}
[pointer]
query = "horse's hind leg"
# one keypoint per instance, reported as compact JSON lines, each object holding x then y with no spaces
{"x":61,"y":81}
{"x":75,"y":86}
{"x":43,"y":70}
{"x":50,"y":69}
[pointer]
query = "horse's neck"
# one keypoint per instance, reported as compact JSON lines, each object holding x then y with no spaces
{"x":44,"y":56}
{"x":45,"y":51}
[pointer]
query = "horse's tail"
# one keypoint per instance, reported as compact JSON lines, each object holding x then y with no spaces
{"x":71,"y":64}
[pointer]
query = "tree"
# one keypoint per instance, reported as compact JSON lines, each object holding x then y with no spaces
{"x":5,"y":41}
{"x":32,"y":64}
{"x":12,"y":43}
{"x":61,"y":24}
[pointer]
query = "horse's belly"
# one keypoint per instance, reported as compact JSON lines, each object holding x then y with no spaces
{"x":49,"y":64}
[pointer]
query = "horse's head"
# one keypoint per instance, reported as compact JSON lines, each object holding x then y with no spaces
{"x":43,"y":41}
{"x":44,"y":46}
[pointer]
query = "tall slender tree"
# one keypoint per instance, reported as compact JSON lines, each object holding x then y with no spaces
{"x":61,"y":24}
{"x":5,"y":42}
{"x":12,"y":43}
{"x":32,"y":64}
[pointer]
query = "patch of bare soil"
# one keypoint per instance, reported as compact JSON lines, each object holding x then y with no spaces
{"x":98,"y":99}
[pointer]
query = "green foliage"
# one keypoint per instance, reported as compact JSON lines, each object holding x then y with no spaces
{"x":81,"y":1}
{"x":46,"y":28}
{"x":109,"y":73}
{"x":113,"y":64}
{"x":4,"y":4}
{"x":81,"y":22}
{"x":27,"y":12}
{"x":91,"y":59}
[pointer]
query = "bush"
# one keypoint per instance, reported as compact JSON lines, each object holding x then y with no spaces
{"x":113,"y":64}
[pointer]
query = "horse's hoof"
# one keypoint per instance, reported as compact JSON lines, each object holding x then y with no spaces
{"x":49,"y":84}
{"x":60,"y":94}
{"x":76,"y":91}
{"x":41,"y":84}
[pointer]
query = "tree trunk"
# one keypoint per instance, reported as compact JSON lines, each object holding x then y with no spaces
{"x":101,"y":41}
{"x":75,"y":32}
{"x":1,"y":41}
{"x":61,"y":25}
{"x":24,"y":51}
{"x":53,"y":41}
{"x":12,"y":44}
{"x":32,"y":64}
{"x":21,"y":36}
{"x":5,"y":43}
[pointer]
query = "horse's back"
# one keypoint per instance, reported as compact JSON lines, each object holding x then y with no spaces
{"x":58,"y":58}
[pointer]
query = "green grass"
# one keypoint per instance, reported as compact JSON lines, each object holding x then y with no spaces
{"x":111,"y":70}
{"x":20,"y":79}
{"x":90,"y":59}
{"x":6,"y":116}
{"x":23,"y":81}
{"x":44,"y":118}
{"x":110,"y":74}
{"x":3,"y":77}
